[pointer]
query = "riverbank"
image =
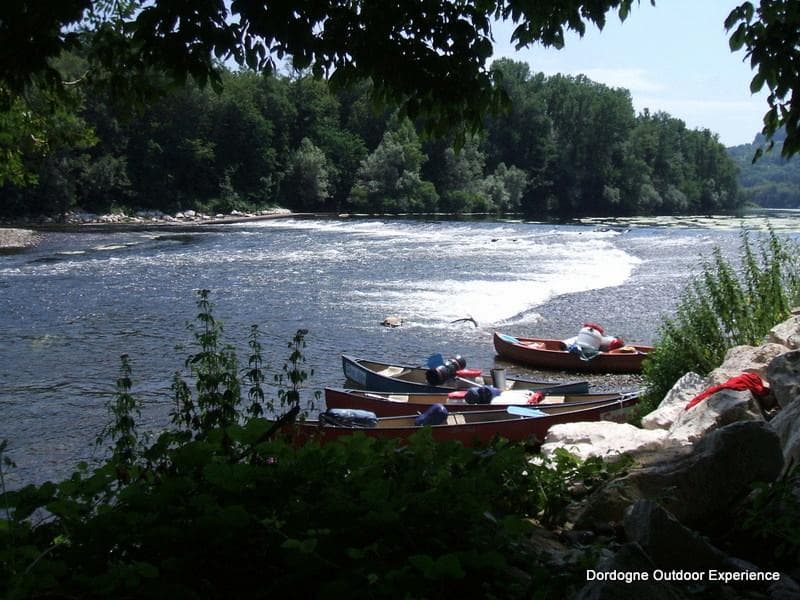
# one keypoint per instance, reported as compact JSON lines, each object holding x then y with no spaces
{"x":147,"y":218}
{"x":18,"y":236}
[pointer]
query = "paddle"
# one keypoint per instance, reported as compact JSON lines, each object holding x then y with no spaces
{"x":469,"y":382}
{"x":434,"y":360}
{"x":522,"y":411}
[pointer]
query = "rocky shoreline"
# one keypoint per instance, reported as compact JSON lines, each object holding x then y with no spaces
{"x":15,"y":237}
{"x":672,"y":526}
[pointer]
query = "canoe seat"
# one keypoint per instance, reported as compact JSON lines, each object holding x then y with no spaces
{"x":553,"y":400}
{"x":457,"y":419}
{"x":392,"y":371}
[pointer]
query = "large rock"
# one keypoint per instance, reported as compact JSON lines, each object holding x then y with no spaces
{"x":785,"y":588}
{"x":786,"y":333}
{"x":393,"y":321}
{"x":618,"y":576}
{"x":606,"y":439}
{"x":787,"y":425}
{"x":720,"y":409}
{"x":610,"y":440}
{"x":667,"y":542}
{"x":673,"y":404}
{"x":783,"y":374}
{"x":746,"y":359}
{"x":700,"y":488}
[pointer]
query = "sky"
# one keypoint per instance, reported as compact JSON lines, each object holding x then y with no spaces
{"x":672,"y":57}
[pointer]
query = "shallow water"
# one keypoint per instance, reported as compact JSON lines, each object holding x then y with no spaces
{"x":75,"y":303}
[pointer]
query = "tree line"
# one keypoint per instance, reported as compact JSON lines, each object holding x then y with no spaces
{"x":773,"y":181}
{"x":563,"y":146}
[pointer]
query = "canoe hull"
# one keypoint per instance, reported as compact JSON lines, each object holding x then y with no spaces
{"x":544,"y":353}
{"x":400,"y":379}
{"x":477,"y":428}
{"x":388,"y":405}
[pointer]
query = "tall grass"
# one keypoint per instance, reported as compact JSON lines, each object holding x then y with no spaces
{"x":724,"y":306}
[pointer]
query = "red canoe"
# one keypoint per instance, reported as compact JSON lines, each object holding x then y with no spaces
{"x":385,"y":404}
{"x":469,"y":428}
{"x":543,"y":353}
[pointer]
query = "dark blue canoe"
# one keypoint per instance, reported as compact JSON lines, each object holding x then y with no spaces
{"x":402,"y":379}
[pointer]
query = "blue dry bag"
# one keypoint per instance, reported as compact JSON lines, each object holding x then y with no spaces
{"x":349,"y":417}
{"x":435,"y":415}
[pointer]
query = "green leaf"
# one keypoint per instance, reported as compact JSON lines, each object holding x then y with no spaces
{"x":423,"y":563}
{"x":757,"y":83}
{"x":738,"y":37}
{"x":447,"y":566}
{"x":146,"y":570}
{"x":303,"y":546}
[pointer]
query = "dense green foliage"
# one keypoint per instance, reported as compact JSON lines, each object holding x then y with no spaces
{"x":567,"y":146}
{"x":773,"y":181}
{"x":221,"y":505}
{"x":771,"y":517}
{"x":431,"y":58}
{"x":770,"y":33}
{"x":724,"y":307}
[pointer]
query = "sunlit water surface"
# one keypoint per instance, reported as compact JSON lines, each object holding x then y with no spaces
{"x":71,"y":306}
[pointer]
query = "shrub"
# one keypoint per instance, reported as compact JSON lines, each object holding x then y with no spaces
{"x":722,"y":308}
{"x":223,"y":506}
{"x":770,"y":523}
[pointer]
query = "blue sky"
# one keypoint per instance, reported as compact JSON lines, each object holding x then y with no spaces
{"x":672,"y":57}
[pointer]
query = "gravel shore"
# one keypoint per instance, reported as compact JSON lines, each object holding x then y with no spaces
{"x":14,"y":240}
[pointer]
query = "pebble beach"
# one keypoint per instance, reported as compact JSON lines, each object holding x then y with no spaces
{"x":14,"y":239}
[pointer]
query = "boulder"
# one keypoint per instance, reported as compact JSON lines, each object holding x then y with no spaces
{"x":786,"y":333}
{"x":667,"y":542}
{"x":686,"y":388}
{"x":699,"y":488}
{"x":720,"y":409}
{"x":746,"y":359}
{"x":615,"y":578}
{"x":393,"y":321}
{"x":786,"y":425}
{"x":785,"y":588}
{"x":783,"y":374}
{"x":602,"y":438}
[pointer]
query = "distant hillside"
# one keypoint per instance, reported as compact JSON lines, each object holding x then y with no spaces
{"x":772,"y":182}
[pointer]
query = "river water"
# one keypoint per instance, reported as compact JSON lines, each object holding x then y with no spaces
{"x":72,"y":305}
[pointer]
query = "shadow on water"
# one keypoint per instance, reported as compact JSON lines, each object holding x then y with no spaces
{"x":10,"y":250}
{"x":184,"y":238}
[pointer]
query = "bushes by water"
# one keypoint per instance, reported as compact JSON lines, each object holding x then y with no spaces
{"x":221,"y":505}
{"x":724,"y":306}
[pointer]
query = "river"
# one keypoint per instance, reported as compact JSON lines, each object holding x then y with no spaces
{"x":77,"y":301}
